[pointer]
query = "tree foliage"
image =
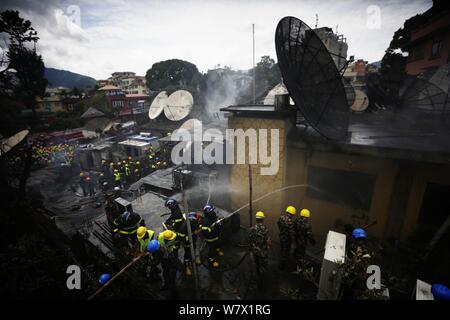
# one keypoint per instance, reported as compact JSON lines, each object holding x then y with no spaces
{"x":172,"y":75}
{"x":22,"y":69}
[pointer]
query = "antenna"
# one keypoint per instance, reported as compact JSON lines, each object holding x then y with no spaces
{"x":317,"y":21}
{"x":312,"y":78}
{"x":254,"y":69}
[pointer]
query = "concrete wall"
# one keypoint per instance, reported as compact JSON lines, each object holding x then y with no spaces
{"x":396,"y":199}
{"x":262,"y":184}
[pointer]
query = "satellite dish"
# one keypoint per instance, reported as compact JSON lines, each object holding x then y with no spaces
{"x":278,"y":89}
{"x":189,"y":124}
{"x":158,"y":105}
{"x":9,"y":143}
{"x":311,"y":77}
{"x":179,"y":105}
{"x":361,"y":101}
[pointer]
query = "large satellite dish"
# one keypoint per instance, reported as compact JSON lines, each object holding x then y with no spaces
{"x":179,"y":105}
{"x":9,"y":143}
{"x":311,"y":77}
{"x":158,"y":105}
{"x":361,"y":102}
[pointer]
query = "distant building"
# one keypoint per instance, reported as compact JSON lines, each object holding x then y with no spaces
{"x":336,"y":45}
{"x":429,"y":43}
{"x":356,"y":73}
{"x":115,"y":97}
{"x":50,"y":104}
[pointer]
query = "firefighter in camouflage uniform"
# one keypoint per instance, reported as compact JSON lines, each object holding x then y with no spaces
{"x":287,"y":235}
{"x":259,"y":246}
{"x":303,"y":236}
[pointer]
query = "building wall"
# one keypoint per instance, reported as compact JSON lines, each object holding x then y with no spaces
{"x":424,"y":36}
{"x":261,"y":184}
{"x":328,"y":215}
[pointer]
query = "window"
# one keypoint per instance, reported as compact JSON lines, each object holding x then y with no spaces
{"x":353,"y":189}
{"x":436,"y":49}
{"x":418,"y":52}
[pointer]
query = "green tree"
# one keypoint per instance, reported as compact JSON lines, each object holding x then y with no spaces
{"x":172,"y":75}
{"x":267,"y":75}
{"x":22,"y":69}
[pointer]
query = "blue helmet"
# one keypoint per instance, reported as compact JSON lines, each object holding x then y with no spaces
{"x":170,"y":203}
{"x":126,"y":215}
{"x":153,"y":246}
{"x":104,"y":278}
{"x":208,"y":208}
{"x":440,"y":292}
{"x":359,"y":233}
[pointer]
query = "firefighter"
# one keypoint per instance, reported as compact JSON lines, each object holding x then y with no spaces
{"x":170,"y":263}
{"x":259,"y":246}
{"x":176,"y":217}
{"x":144,"y":236}
{"x":83,"y":183}
{"x":126,"y":225}
{"x":111,"y":173}
{"x":118,"y":178}
{"x":90,"y":186}
{"x":303,"y":236}
{"x":105,"y":168}
{"x":183,"y":236}
{"x":287,"y":235}
{"x":210,"y":232}
{"x":354,"y":275}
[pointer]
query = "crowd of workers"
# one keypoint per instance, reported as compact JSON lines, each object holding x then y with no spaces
{"x":295,"y":234}
{"x":163,"y":248}
{"x":44,"y":154}
{"x":122,"y":173}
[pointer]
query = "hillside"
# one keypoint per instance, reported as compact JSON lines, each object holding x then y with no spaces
{"x":63,"y":78}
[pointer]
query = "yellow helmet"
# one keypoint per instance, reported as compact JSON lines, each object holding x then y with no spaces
{"x":137,"y":162}
{"x":305,"y":213}
{"x":260,"y":215}
{"x":81,"y":174}
{"x":291,"y":210}
{"x":169,"y":235}
{"x":141,"y":231}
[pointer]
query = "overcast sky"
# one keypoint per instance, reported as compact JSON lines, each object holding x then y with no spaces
{"x":118,"y":35}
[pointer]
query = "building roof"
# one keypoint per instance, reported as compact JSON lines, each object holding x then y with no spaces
{"x":92,"y":113}
{"x":108,"y":87}
{"x":134,"y":143}
{"x":137,"y":95}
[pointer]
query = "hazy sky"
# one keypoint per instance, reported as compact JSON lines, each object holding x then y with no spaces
{"x":118,"y":35}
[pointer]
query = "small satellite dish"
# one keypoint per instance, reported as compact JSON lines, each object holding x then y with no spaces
{"x":361,"y":102}
{"x":179,"y":105}
{"x":278,"y":89}
{"x":9,"y":143}
{"x":311,"y":77}
{"x":158,"y":105}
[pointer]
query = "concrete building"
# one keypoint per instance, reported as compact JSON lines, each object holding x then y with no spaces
{"x":429,"y":43}
{"x":115,"y":97}
{"x":336,"y":45}
{"x":380,"y":173}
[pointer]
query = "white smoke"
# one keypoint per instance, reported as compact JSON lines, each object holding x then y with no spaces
{"x":225,"y":87}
